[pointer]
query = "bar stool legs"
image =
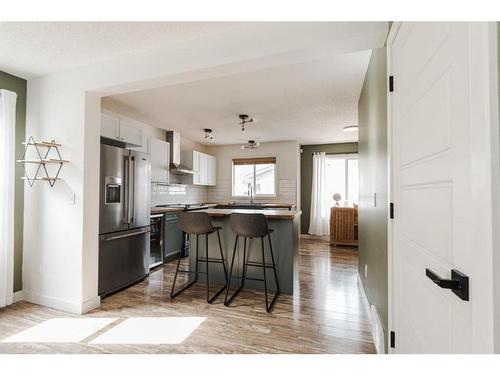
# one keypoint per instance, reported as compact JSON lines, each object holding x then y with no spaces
{"x":207,"y":261}
{"x":246,"y":263}
{"x":271,"y":306}
{"x":227,"y":301}
{"x":175,"y":294}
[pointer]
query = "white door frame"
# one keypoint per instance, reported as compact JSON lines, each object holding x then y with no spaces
{"x":485,"y":143}
{"x":390,"y":39}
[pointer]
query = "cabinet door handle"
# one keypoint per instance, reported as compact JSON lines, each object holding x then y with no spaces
{"x":459,"y":283}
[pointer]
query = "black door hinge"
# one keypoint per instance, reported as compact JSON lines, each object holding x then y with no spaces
{"x":391,"y":210}
{"x":391,"y":83}
{"x":393,"y":339}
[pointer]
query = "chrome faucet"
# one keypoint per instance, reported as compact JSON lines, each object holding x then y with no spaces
{"x":250,"y":192}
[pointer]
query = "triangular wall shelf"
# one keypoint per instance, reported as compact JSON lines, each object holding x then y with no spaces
{"x":42,"y":159}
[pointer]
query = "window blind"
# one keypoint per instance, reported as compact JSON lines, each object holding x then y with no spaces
{"x":252,"y":161}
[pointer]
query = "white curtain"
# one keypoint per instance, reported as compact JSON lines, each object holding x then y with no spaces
{"x":319,"y":223}
{"x":7,"y":165}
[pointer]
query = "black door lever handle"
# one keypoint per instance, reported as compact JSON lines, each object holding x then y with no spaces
{"x":459,"y":283}
{"x":443,"y":283}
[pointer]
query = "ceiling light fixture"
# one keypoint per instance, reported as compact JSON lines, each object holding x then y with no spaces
{"x":352,"y":128}
{"x":245,"y":119}
{"x":250,"y":145}
{"x":208,"y":134}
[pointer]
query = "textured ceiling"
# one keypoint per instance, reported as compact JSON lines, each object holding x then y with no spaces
{"x":300,"y":79}
{"x":308,"y":102}
{"x":31,"y":49}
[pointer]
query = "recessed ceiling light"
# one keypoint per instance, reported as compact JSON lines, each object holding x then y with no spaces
{"x":353,"y":128}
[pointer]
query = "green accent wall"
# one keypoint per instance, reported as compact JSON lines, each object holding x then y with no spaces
{"x":306,"y":167}
{"x":18,"y":85}
{"x":372,"y":120}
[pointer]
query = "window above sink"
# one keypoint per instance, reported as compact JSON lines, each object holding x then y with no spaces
{"x":259,"y":174}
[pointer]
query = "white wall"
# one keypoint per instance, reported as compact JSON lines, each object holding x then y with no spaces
{"x":54,"y":231}
{"x":287,"y":170}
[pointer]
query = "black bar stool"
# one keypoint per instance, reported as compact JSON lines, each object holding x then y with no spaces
{"x":251,"y":226}
{"x":199,"y":223}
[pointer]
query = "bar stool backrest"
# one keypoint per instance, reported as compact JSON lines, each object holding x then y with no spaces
{"x":249,"y":225}
{"x":195,"y":223}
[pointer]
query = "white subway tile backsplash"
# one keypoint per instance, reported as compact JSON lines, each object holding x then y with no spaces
{"x":172,"y":194}
{"x":287,"y":192}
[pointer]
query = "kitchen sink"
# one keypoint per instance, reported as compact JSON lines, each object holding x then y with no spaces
{"x":243,"y":206}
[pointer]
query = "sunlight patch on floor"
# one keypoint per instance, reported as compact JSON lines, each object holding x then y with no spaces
{"x":151,"y":330}
{"x":71,"y":330}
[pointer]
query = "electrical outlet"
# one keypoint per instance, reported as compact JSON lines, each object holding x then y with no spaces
{"x":366,"y":271}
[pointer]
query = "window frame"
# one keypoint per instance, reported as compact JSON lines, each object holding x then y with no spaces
{"x":254,"y":177}
{"x":347,"y":157}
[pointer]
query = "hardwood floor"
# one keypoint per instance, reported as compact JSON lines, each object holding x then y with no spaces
{"x":326,"y":316}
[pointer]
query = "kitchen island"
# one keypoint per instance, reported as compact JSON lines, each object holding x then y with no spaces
{"x":285,"y":241}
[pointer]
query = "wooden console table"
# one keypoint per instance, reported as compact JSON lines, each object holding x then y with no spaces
{"x":344,"y":226}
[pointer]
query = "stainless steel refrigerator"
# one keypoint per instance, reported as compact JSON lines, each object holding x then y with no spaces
{"x":124,"y":211}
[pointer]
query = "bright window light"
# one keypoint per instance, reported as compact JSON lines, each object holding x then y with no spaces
{"x":61,"y":330}
{"x":260,"y":173}
{"x":342,"y":178}
{"x":161,"y":330}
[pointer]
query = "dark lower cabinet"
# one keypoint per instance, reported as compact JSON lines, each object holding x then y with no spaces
{"x":174,"y":241}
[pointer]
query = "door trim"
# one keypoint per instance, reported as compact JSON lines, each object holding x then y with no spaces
{"x":485,"y":193}
{"x":390,"y":39}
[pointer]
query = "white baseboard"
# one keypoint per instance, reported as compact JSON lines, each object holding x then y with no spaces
{"x":377,"y":331}
{"x":74,"y":307}
{"x":375,"y":324}
{"x":18,"y":296}
{"x":90,"y":304}
{"x":315,"y":237}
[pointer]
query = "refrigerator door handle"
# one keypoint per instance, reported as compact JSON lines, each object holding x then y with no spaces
{"x":132,"y":189}
{"x":136,"y":233}
{"x":126,"y":189}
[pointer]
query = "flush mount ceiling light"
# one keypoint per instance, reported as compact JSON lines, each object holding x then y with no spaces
{"x":352,"y":128}
{"x":250,"y":145}
{"x":208,"y":134}
{"x":245,"y":119}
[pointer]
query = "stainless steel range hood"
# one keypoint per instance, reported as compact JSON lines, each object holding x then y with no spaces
{"x":176,"y":167}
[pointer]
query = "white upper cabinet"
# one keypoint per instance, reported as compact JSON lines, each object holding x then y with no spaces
{"x":146,"y":144}
{"x":212,"y":170}
{"x":110,"y":126}
{"x":160,"y":160}
{"x":196,"y":167}
{"x":205,"y":165}
{"x":121,"y":130}
{"x":203,"y":169}
{"x":130,"y":133}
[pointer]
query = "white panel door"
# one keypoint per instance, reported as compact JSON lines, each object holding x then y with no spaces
{"x":433,"y":167}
